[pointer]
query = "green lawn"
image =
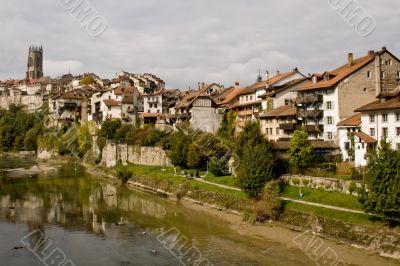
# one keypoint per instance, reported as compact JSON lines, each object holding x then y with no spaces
{"x":353,"y":218}
{"x":324,"y":197}
{"x":223,"y":180}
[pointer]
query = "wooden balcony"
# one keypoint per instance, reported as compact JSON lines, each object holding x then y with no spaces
{"x":245,"y":113}
{"x":310,"y":113}
{"x":317,"y":98}
{"x":97,"y":117}
{"x":313,"y":128}
{"x":288,"y":126}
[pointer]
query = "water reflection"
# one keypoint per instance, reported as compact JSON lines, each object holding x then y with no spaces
{"x":96,"y":223}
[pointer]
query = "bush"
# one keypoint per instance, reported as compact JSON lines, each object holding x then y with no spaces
{"x":218,"y":167}
{"x":124,"y":174}
{"x":296,"y":181}
{"x":352,"y":187}
{"x":270,"y":205}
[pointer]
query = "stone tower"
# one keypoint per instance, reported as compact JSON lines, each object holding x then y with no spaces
{"x":35,"y":63}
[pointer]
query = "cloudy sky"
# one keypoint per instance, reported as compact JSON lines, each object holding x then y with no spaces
{"x":187,"y":41}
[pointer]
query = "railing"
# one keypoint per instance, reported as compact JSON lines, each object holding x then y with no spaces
{"x":98,"y":117}
{"x":288,"y":126}
{"x":317,"y":98}
{"x":313,"y":128}
{"x":244,"y":113}
{"x":310,"y":113}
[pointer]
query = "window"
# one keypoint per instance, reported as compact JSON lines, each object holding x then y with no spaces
{"x":372,"y":118}
{"x":372,"y":132}
{"x":287,"y":101}
{"x":384,"y":117}
{"x":398,"y":117}
{"x":398,"y":131}
{"x":369,"y":74}
{"x":329,"y":105}
{"x":251,"y":97}
{"x":270,"y":131}
{"x":382,"y":74}
{"x":247,"y":98}
{"x":330,"y":135}
{"x":267,"y":131}
{"x":158,"y":111}
{"x":155,"y":105}
{"x":109,"y":108}
{"x":384,"y":132}
{"x":330,"y":120}
{"x":398,"y":74}
{"x":277,"y":131}
{"x":347,"y":146}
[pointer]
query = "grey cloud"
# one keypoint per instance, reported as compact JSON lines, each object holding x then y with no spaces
{"x":186,"y":41}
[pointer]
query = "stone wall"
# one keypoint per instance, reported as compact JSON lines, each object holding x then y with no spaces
{"x":154,"y":156}
{"x":328,"y":184}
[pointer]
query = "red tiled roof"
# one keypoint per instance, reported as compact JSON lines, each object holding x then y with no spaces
{"x":365,"y":137}
{"x":281,"y":111}
{"x":381,"y":105}
{"x":342,"y":72}
{"x":353,"y":121}
{"x":111,"y":102}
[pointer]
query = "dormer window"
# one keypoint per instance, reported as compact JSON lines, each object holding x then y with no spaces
{"x":314,"y":79}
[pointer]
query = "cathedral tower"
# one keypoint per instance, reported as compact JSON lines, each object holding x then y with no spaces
{"x":35,"y":63}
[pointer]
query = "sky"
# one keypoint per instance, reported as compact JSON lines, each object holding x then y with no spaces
{"x":189,"y":41}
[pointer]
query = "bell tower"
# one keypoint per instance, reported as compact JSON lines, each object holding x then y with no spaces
{"x":35,"y":63}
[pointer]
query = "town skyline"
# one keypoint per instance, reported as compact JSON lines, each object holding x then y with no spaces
{"x":188,"y":48}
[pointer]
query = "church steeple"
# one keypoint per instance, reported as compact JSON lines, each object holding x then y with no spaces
{"x":35,"y":63}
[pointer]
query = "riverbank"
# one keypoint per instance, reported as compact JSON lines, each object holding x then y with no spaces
{"x":229,"y":205}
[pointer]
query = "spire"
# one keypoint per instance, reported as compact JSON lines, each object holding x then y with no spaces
{"x":259,"y":78}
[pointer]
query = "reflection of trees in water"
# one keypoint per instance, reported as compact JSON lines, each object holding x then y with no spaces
{"x":73,"y":199}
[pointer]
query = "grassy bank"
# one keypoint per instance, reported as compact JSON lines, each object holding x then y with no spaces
{"x":322,"y":196}
{"x":164,"y":178}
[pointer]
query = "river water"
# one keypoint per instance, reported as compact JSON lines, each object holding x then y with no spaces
{"x":86,"y":221}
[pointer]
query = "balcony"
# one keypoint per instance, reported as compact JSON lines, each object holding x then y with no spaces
{"x":288,"y":126}
{"x":317,"y":98}
{"x":245,"y":113}
{"x":313,"y":128}
{"x":241,"y":123}
{"x":98,"y":117}
{"x":310,"y":113}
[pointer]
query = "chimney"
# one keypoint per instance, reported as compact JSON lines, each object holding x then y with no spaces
{"x":277,"y":72}
{"x":237,"y":84}
{"x":350,"y":59}
{"x":203,"y":85}
{"x":378,"y":82}
{"x":371,"y":53}
{"x":199,"y":85}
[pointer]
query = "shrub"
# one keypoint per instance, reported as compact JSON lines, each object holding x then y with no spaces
{"x":218,"y":167}
{"x":306,"y":182}
{"x":124,"y":174}
{"x":296,"y":181}
{"x":352,"y":187}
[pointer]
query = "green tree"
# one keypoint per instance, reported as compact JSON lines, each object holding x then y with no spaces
{"x":257,"y":160}
{"x":300,"y":152}
{"x":382,"y":179}
{"x":179,"y":143}
{"x":195,"y":157}
{"x":228,"y":125}
{"x":87,"y":80}
{"x":109,"y":129}
{"x":84,"y":139}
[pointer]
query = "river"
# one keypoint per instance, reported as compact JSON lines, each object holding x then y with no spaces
{"x":87,"y":221}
